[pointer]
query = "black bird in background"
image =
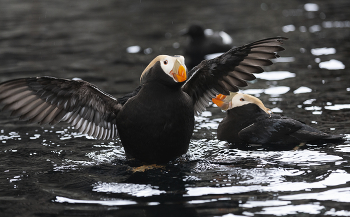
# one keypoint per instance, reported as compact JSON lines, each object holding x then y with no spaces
{"x":156,"y":121}
{"x":248,"y":121}
{"x":203,"y":42}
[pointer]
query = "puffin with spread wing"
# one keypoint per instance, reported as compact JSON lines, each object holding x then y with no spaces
{"x":156,"y":121}
{"x":248,"y":121}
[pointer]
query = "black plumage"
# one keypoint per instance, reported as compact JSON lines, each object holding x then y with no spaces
{"x":201,"y":44}
{"x":156,"y":121}
{"x":248,"y":121}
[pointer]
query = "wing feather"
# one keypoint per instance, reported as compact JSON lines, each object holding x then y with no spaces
{"x":242,"y":75}
{"x":234,"y":81}
{"x":262,"y":55}
{"x":255,"y":62}
{"x":48,"y":100}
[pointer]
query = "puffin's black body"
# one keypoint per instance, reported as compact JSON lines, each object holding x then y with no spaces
{"x":200,"y":45}
{"x":156,"y":121}
{"x":249,"y":124}
{"x":160,"y":122}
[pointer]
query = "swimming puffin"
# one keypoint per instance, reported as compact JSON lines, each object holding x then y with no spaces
{"x":248,"y":121}
{"x":156,"y":121}
{"x":203,"y":42}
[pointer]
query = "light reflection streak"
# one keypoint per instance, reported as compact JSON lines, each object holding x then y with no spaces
{"x":275,"y":75}
{"x":314,"y":208}
{"x":311,"y":7}
{"x":336,"y":24}
{"x":338,"y":195}
{"x":333,"y":212}
{"x":283,"y":60}
{"x":338,"y":107}
{"x":288,"y":28}
{"x":302,"y":90}
{"x":275,"y":91}
{"x":138,"y":190}
{"x":251,"y":204}
{"x":332,"y":65}
{"x":323,"y":51}
{"x":101,"y":202}
{"x":133,"y":49}
{"x":337,"y":177}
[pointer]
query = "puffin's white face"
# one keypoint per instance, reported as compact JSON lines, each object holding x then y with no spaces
{"x":173,"y":66}
{"x":236,"y":100}
{"x":240,"y":99}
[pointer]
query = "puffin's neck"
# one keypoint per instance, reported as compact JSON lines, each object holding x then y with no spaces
{"x":162,"y":85}
{"x":161,"y":89}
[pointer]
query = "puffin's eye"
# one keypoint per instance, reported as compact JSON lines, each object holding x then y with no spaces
{"x":241,"y":99}
{"x":165,"y":62}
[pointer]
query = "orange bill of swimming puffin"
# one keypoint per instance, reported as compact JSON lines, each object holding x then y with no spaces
{"x":237,"y":99}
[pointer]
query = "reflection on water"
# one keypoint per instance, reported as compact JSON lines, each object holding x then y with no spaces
{"x":322,"y":51}
{"x":336,"y":24}
{"x":133,"y":49}
{"x":334,"y":212}
{"x":138,"y":190}
{"x":275,"y":76}
{"x":338,"y":107}
{"x":332,"y":65}
{"x":101,"y":202}
{"x":276,"y":91}
{"x":309,"y":101}
{"x":276,"y":110}
{"x":284,"y":60}
{"x":275,"y":182}
{"x":338,"y":195}
{"x":302,"y":90}
{"x":313,"y":208}
{"x":311,"y":7}
{"x":288,"y":28}
{"x":315,"y":28}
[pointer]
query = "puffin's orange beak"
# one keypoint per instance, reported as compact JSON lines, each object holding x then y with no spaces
{"x":219,"y":101}
{"x":179,"y":70}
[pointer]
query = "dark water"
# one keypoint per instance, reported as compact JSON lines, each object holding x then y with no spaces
{"x":54,"y":171}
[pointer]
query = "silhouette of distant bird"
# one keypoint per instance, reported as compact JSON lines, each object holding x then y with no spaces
{"x":203,"y":42}
{"x":249,"y":121}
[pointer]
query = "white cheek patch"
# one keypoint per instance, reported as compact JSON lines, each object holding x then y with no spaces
{"x":168,"y":67}
{"x":236,"y":102}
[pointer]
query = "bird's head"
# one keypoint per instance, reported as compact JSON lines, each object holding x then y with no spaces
{"x":237,"y":99}
{"x":172,"y":66}
{"x":195,"y":31}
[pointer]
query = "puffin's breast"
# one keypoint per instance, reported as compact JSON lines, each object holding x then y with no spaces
{"x":156,"y":128}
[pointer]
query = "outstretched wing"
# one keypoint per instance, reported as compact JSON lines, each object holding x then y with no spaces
{"x":229,"y":71}
{"x":48,"y":100}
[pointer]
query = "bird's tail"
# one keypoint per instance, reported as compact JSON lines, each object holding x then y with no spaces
{"x":336,"y":139}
